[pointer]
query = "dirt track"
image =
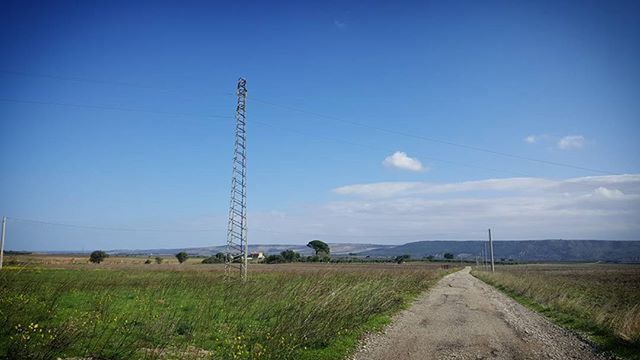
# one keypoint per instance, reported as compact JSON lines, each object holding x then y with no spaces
{"x":464,"y":318}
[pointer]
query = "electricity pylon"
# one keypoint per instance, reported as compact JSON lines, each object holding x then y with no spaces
{"x":237,"y":248}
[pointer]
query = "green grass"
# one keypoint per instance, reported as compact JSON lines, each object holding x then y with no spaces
{"x":291,"y":313}
{"x":601,"y":302}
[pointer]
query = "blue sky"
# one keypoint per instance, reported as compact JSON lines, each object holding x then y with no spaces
{"x":552,"y":81}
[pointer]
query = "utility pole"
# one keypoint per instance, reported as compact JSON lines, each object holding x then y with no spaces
{"x":237,"y":246}
{"x":493,"y":269}
{"x":4,"y":232}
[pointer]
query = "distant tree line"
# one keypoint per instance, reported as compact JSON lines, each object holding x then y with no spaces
{"x":321,"y":249}
{"x":215,"y":259}
{"x":14,"y":252}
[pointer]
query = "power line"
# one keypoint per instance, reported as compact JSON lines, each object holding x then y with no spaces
{"x":110,"y":108}
{"x":329,"y":139}
{"x":105,"y":82}
{"x":77,"y":79}
{"x":421,"y":137}
{"x":104,"y":228}
{"x":290,"y":108}
{"x":125,"y":229}
{"x":113,"y":108}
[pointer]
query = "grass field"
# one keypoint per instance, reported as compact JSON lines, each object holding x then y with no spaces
{"x":128,"y":310}
{"x":598,"y":300}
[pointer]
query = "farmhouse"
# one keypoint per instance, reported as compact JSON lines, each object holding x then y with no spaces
{"x":256,"y":256}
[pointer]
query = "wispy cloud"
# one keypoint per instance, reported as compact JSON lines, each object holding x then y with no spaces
{"x":597,"y":207}
{"x":531,"y":139}
{"x":571,"y":142}
{"x":395,"y":189}
{"x":529,"y":185}
{"x":339,"y":24}
{"x":401,"y":160}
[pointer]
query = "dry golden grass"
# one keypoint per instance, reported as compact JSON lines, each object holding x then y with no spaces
{"x":601,"y":299}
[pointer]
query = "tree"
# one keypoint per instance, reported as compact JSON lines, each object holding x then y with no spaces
{"x":400,"y":259}
{"x":320,"y":247}
{"x":182,"y":256}
{"x":274,"y":259}
{"x":430,"y":257}
{"x":221,"y":256}
{"x":97,"y":256}
{"x":448,"y":256}
{"x":290,"y":256}
{"x":158,"y":260}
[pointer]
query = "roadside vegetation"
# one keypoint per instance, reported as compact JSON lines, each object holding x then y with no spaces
{"x":600,"y":301}
{"x":292,"y":311}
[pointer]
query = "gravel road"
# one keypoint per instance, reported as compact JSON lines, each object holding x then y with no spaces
{"x":464,"y":318}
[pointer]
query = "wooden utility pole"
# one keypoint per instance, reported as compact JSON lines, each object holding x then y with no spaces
{"x":493,"y":269}
{"x":4,"y":231}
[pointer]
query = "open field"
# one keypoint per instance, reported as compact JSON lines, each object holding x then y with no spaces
{"x":600,"y":301}
{"x":123,"y":310}
{"x":74,"y":261}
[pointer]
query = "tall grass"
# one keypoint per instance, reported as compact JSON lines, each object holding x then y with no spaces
{"x":601,"y":300}
{"x":115,"y":314}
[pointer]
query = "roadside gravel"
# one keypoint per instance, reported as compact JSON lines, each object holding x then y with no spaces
{"x":464,"y":318}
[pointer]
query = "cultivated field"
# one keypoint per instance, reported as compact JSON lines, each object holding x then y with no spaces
{"x":599,"y":300}
{"x":122,"y":310}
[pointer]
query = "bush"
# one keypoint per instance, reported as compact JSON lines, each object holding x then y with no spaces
{"x":97,"y":256}
{"x":402,"y":258}
{"x":148,"y":261}
{"x":448,"y":256}
{"x":213,"y":260}
{"x":274,"y":259}
{"x":182,"y":256}
{"x":290,"y":256}
{"x":159,"y":260}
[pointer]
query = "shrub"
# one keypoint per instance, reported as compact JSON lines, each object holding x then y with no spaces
{"x":290,"y":256}
{"x":97,"y":256}
{"x":402,"y":258}
{"x":213,"y":260}
{"x":159,"y":260}
{"x":274,"y":259}
{"x":182,"y":256}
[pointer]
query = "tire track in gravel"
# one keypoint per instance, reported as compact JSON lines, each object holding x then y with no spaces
{"x":461,"y":317}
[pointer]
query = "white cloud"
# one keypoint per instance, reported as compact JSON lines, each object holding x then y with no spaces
{"x":628,"y":183}
{"x":400,"y":160}
{"x":531,"y":139}
{"x":339,"y":24}
{"x":571,"y":142}
{"x":608,"y":193}
{"x":597,"y":207}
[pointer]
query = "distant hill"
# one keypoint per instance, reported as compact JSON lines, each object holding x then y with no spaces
{"x":525,"y":250}
{"x":517,"y":250}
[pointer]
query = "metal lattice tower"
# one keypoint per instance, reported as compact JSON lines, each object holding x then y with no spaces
{"x":237,"y":248}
